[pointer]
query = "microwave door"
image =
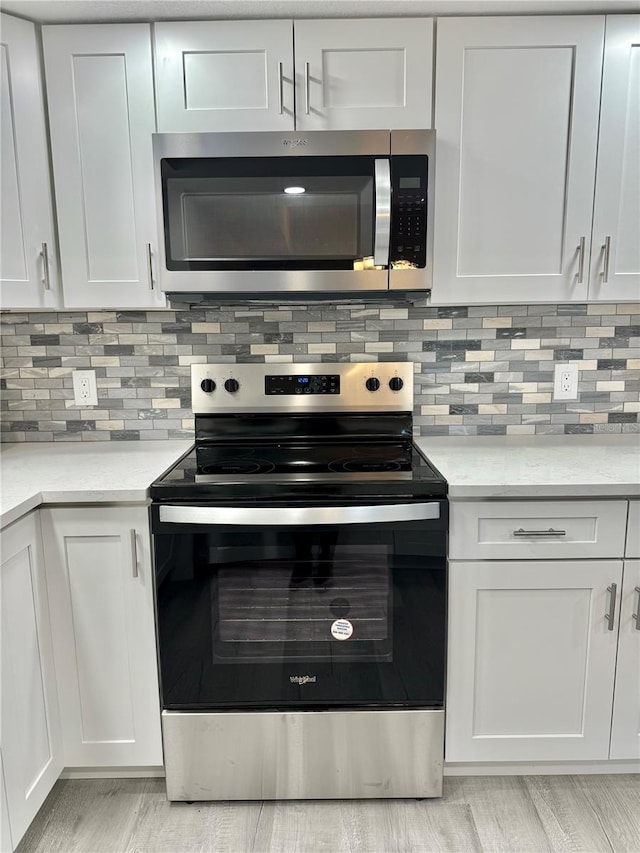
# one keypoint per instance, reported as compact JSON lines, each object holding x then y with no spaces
{"x":382,"y":224}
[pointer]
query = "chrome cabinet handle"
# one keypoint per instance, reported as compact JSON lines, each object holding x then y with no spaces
{"x":581,"y":252}
{"x":611,"y":615}
{"x":549,"y":532}
{"x":304,"y":515}
{"x":150,"y":265}
{"x":636,"y":615}
{"x":135,"y":564}
{"x":382,"y":233}
{"x":44,"y":254}
{"x":280,"y":90}
{"x":605,"y":264}
{"x":306,"y":88}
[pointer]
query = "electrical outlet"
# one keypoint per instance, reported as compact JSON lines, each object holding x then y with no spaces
{"x":85,"y":391}
{"x":565,"y":381}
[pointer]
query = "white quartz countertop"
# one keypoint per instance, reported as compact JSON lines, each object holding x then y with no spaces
{"x":537,"y":466}
{"x":485,"y":467}
{"x":102,"y":472}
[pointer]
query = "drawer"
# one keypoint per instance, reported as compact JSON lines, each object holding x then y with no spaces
{"x":537,"y":530}
{"x":633,"y":530}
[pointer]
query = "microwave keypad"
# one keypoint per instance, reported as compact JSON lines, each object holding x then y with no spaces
{"x":409,"y":228}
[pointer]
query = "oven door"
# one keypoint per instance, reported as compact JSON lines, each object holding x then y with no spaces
{"x":301,"y":607}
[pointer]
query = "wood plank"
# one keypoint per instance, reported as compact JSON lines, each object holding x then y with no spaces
{"x":616,"y":802}
{"x":164,"y":827}
{"x":569,"y":819}
{"x":96,"y":815}
{"x":392,"y":826}
{"x":504,"y":814}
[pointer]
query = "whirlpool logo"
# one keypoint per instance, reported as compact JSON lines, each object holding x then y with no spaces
{"x":298,"y":142}
{"x":303,"y":679}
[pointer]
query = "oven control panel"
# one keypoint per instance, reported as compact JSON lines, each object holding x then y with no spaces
{"x":342,"y":387}
{"x":321,"y":383}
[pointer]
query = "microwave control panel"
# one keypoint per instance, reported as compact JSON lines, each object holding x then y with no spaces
{"x":408,"y":212}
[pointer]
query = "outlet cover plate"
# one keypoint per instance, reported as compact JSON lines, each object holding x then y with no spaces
{"x":85,"y":391}
{"x":565,"y":381}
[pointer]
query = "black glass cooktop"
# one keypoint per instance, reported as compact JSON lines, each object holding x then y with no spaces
{"x":270,"y":467}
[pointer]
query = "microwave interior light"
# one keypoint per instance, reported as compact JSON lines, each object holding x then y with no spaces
{"x":294,"y":190}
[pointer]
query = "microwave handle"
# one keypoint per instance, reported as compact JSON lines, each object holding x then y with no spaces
{"x":382,"y":229}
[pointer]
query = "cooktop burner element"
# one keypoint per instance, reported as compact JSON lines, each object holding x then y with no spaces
{"x":266,"y":439}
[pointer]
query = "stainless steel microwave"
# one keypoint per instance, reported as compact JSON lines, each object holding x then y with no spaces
{"x":295,"y":213}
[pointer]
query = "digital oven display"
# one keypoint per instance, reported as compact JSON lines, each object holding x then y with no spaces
{"x":326,"y":383}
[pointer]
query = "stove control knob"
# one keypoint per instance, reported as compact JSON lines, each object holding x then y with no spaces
{"x":231,"y":385}
{"x":208,"y":385}
{"x":396,"y":384}
{"x":372,"y":384}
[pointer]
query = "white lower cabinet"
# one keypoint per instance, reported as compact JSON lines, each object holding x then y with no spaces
{"x":531,"y":660}
{"x":544,"y":636}
{"x":625,"y":731}
{"x":32,"y":755}
{"x":101,"y":597}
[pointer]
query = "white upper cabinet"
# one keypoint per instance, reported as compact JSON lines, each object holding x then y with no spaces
{"x":224,"y":75}
{"x":363,"y":74}
{"x":615,"y":252}
{"x":516,"y":115}
{"x":241,"y":75}
{"x":28,"y":276}
{"x":101,"y":112}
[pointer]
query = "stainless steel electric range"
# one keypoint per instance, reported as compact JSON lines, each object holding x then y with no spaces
{"x":300,"y":560}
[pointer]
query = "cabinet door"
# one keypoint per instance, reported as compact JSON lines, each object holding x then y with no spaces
{"x":531,"y":660}
{"x":363,"y":74}
{"x":6,"y":843}
{"x":615,"y":252}
{"x":100,"y":93}
{"x":625,"y":732}
{"x":32,"y":757}
{"x":516,"y":113}
{"x":28,"y":276}
{"x":100,"y":587}
{"x":224,"y":76}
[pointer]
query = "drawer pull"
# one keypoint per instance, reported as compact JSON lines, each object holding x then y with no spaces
{"x":636,"y":615}
{"x":549,"y":532}
{"x":611,"y":615}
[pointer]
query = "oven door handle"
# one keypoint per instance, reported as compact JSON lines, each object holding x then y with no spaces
{"x":382,"y":230}
{"x":302,"y":515}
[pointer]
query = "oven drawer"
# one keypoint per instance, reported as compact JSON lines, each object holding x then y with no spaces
{"x":537,"y":530}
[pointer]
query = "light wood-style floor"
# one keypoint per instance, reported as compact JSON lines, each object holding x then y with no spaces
{"x":516,"y":814}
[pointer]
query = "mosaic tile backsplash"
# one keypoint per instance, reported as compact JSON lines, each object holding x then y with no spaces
{"x":479,"y":370}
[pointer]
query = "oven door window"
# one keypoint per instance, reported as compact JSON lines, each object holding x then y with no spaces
{"x":268,"y":213}
{"x":345,"y":615}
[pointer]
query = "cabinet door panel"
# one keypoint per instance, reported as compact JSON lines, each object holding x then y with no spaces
{"x":617,"y":201}
{"x":531,"y":660}
{"x":104,"y":635}
{"x":26,"y":218}
{"x":31,"y":742}
{"x":224,"y":76}
{"x":363,"y":74}
{"x":101,"y":112}
{"x":517,"y":104}
{"x":625,"y":732}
